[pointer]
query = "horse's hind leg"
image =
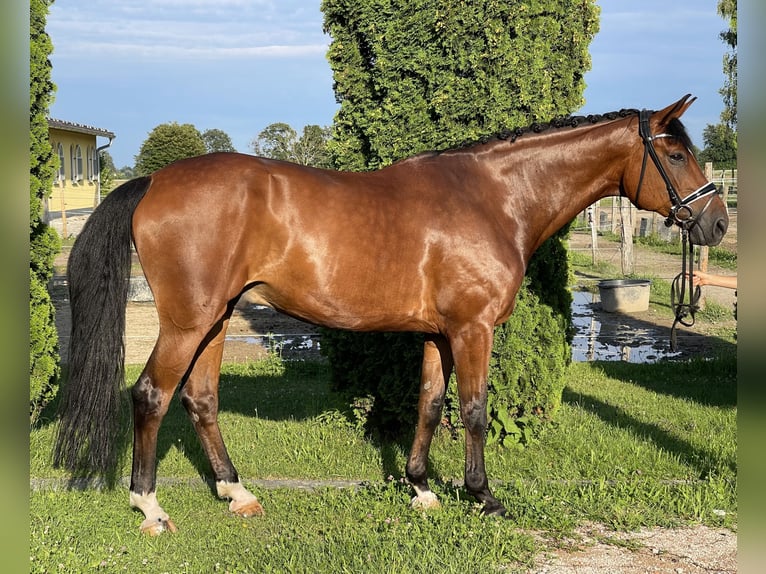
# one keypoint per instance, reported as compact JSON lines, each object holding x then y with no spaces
{"x":437,"y":365}
{"x":199,"y":396}
{"x":170,"y":360}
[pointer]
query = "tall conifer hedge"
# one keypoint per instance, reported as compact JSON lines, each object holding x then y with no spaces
{"x":417,"y":75}
{"x":43,"y":241}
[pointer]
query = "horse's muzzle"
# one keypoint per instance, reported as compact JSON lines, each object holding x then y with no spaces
{"x":709,"y":230}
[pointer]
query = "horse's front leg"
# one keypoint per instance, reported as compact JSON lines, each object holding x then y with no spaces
{"x":471,"y":349}
{"x":437,"y":365}
{"x":199,"y":396}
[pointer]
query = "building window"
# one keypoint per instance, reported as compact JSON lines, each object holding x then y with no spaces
{"x":61,"y":173}
{"x":91,"y":163}
{"x":76,"y":158}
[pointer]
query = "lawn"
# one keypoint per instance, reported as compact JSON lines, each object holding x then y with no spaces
{"x":632,"y":445}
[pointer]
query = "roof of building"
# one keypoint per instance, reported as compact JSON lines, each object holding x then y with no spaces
{"x":79,"y":128}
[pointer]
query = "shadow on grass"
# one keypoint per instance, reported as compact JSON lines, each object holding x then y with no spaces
{"x":299,"y":391}
{"x":295,"y":390}
{"x":708,"y":383}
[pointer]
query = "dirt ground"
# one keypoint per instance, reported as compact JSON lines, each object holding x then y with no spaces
{"x":595,"y":548}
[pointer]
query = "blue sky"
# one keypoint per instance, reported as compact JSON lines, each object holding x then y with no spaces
{"x":240,"y":65}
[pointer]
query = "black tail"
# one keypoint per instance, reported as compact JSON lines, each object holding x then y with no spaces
{"x":98,"y":273}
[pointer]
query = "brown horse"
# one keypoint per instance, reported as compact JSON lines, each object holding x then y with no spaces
{"x":437,"y":243}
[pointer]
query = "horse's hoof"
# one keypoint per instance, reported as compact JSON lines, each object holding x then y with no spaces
{"x":496,"y":509}
{"x":425,"y":501}
{"x":246,"y":509}
{"x":156,"y":526}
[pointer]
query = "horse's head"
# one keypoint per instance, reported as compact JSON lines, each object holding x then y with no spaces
{"x":664,"y":176}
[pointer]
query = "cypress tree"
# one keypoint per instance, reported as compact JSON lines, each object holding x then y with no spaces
{"x":43,"y":241}
{"x":417,"y":75}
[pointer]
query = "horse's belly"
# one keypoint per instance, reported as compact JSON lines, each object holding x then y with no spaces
{"x":357,"y":309}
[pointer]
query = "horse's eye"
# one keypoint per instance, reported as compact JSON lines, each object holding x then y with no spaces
{"x":677,"y":157}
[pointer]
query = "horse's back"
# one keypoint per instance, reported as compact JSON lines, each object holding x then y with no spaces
{"x":352,"y":250}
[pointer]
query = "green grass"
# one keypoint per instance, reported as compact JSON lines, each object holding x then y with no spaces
{"x":369,"y":530}
{"x":632,"y":445}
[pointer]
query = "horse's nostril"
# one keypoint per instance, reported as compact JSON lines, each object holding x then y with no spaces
{"x":722,"y":225}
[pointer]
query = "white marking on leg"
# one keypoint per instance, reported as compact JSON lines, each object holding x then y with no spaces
{"x":234,"y":491}
{"x":157,"y":520}
{"x":424,"y":499}
{"x":240,"y":497}
{"x":147,"y":503}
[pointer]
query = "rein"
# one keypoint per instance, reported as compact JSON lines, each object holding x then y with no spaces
{"x":678,"y":290}
{"x":681,"y":207}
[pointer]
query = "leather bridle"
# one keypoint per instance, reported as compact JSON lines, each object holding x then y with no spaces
{"x":680,"y":205}
{"x":681,"y":214}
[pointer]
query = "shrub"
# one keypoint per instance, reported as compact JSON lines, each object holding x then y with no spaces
{"x":526,"y":374}
{"x":379,"y":374}
{"x":43,"y":348}
{"x":414,"y":77}
{"x":43,"y":241}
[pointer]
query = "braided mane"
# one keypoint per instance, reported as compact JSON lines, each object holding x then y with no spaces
{"x":556,"y":123}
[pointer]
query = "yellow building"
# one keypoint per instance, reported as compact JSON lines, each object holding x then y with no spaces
{"x":77,"y":183}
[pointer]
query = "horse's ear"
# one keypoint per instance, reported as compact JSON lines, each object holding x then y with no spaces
{"x":676,"y":110}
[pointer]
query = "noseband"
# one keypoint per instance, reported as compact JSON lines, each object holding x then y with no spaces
{"x":681,"y":207}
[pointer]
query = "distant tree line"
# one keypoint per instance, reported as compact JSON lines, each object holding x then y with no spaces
{"x":280,"y":141}
{"x":172,"y":141}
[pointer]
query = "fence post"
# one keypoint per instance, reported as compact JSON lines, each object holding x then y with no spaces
{"x":626,"y":236}
{"x":725,"y":185}
{"x":593,"y":235}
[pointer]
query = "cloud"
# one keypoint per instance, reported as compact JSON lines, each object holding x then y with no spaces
{"x":189,"y":29}
{"x":136,"y":52}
